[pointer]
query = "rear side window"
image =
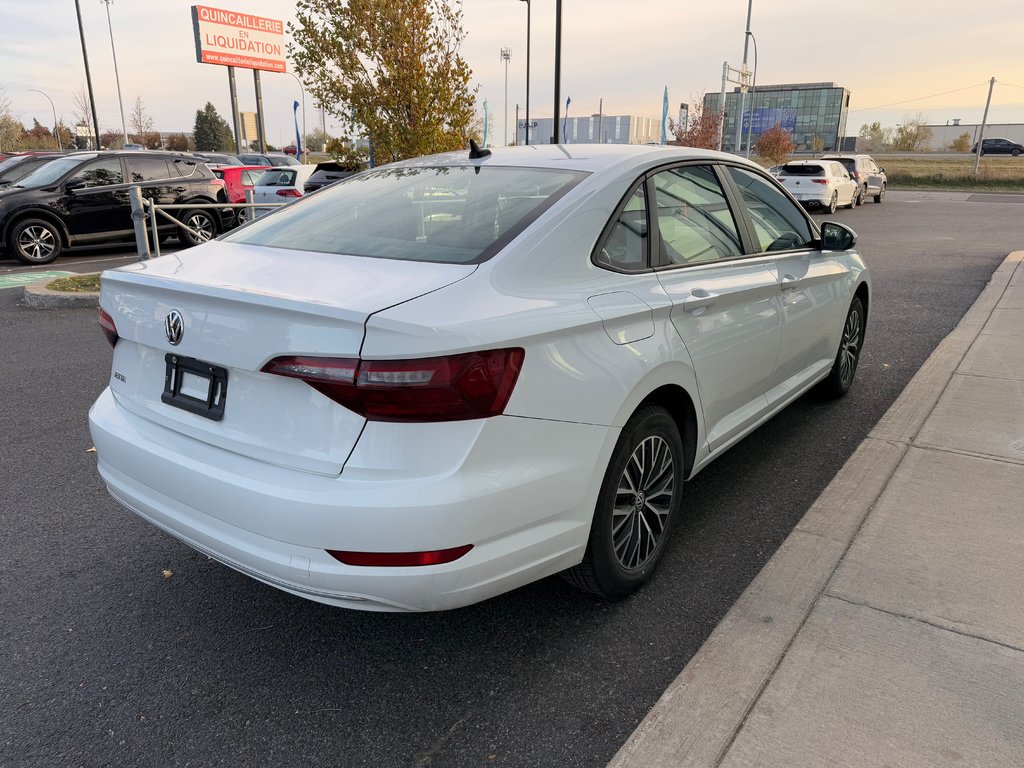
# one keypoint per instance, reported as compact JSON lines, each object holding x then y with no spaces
{"x":625,"y":247}
{"x":450,"y":214}
{"x":778,"y":223}
{"x":693,"y":217}
{"x":147,"y":169}
{"x":792,"y":169}
{"x":184,"y":168}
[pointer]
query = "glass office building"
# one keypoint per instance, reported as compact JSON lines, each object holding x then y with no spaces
{"x":813,"y":113}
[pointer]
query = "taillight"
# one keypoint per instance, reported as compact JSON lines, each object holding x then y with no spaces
{"x":473,"y":385}
{"x":290,"y":192}
{"x":107,"y":326}
{"x":400,"y":559}
{"x":820,"y":181}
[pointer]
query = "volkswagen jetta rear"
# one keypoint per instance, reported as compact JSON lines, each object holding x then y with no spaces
{"x":248,"y":416}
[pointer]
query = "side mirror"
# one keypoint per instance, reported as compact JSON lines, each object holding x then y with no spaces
{"x":881,"y":170}
{"x":837,"y":237}
{"x":72,"y":184}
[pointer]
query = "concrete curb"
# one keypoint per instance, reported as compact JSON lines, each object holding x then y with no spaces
{"x":39,"y":296}
{"x":700,"y":714}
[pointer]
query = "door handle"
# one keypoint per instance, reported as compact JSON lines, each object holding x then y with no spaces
{"x":790,"y":283}
{"x":699,"y":300}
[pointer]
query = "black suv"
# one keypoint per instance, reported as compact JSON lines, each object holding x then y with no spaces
{"x":82,"y":199}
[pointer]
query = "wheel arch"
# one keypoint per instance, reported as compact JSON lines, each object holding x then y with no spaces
{"x":37,"y":213}
{"x":677,"y":401}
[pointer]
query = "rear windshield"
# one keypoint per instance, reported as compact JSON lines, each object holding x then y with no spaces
{"x":276,"y":178}
{"x":453,"y":215}
{"x":802,"y":170}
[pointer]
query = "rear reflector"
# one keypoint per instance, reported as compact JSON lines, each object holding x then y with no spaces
{"x":400,"y":559}
{"x":107,"y":326}
{"x":473,"y":385}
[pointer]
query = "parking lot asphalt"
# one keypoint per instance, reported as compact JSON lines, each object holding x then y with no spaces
{"x":110,"y":662}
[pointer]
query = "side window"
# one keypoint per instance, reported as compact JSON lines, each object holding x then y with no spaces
{"x":183,"y":168}
{"x":100,"y":173}
{"x":626,"y":245}
{"x":779,"y":224}
{"x":146,"y":169}
{"x":693,"y":217}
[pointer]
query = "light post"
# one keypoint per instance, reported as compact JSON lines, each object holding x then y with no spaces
{"x":558,"y":69}
{"x":117,"y":78}
{"x":506,"y":54}
{"x":88,"y":75}
{"x":302,"y":90}
{"x":743,"y":92}
{"x":56,"y":133}
{"x":527,"y":142}
{"x":753,"y":90}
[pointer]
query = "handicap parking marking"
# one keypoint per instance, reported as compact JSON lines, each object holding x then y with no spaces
{"x":17,"y":279}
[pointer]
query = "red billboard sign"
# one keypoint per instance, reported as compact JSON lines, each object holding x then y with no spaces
{"x":238,"y":39}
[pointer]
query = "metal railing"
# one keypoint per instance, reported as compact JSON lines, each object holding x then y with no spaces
{"x":146,"y":213}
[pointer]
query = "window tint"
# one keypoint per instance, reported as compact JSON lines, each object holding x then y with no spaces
{"x":626,"y":246}
{"x":146,"y":169}
{"x":100,"y":173}
{"x":778,"y":222}
{"x":801,"y":169}
{"x":452,"y":214}
{"x":277,"y":178}
{"x":693,"y":217}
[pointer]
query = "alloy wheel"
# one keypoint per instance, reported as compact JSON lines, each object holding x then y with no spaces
{"x":849,"y":348}
{"x":203,"y":225}
{"x":643,"y":501}
{"x":36,"y":243}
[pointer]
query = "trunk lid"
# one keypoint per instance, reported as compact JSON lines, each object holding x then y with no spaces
{"x":239,"y":307}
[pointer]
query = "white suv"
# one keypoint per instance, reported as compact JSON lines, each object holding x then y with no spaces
{"x":822,"y":183}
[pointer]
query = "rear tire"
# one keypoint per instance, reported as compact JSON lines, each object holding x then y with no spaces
{"x":840,"y":378}
{"x":35,"y":241}
{"x":636,"y":509}
{"x":200,"y":220}
{"x":881,"y":194}
{"x":831,"y":207}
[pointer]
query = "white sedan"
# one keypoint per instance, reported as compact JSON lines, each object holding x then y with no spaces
{"x":440,"y":380}
{"x":826,"y":184}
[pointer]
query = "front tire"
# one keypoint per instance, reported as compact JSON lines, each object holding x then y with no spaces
{"x":636,"y":509}
{"x":881,"y":194}
{"x":1015,"y":152}
{"x":204,"y":224}
{"x":35,"y":241}
{"x":840,"y":378}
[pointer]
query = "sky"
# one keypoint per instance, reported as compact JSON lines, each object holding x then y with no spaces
{"x":899,"y":60}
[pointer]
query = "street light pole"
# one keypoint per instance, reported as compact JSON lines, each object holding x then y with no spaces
{"x":56,"y":134}
{"x":743,"y":92}
{"x":117,"y":78}
{"x":506,"y":54}
{"x":753,"y":90}
{"x":527,"y":142}
{"x":558,"y":67}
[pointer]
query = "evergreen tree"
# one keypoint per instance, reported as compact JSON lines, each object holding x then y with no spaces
{"x":211,"y":131}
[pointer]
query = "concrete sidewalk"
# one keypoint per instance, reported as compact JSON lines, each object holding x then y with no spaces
{"x":888,"y":630}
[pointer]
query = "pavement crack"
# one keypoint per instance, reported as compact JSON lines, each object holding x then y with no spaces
{"x":920,"y":620}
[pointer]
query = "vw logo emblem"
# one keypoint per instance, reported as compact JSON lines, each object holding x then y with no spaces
{"x":174,"y":327}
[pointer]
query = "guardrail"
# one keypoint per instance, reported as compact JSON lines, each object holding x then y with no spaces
{"x":145,"y":219}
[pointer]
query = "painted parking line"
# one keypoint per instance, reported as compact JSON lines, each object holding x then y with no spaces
{"x":24,"y":278}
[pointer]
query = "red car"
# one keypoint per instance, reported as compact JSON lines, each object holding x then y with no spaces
{"x":237,"y":179}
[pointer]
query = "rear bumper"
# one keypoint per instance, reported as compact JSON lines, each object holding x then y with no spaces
{"x":523,"y":495}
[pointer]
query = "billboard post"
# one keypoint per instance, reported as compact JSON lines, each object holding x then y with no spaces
{"x":234,"y":108}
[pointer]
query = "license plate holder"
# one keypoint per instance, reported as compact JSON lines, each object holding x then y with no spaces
{"x":195,"y":386}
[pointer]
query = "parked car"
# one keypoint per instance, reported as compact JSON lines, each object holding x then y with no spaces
{"x":275,"y":159}
{"x":440,"y":380}
{"x":324,"y":174}
{"x":291,"y":149}
{"x":219,"y":158}
{"x":82,"y":199}
{"x":997,"y":146}
{"x":238,"y":179}
{"x":280,"y":185}
{"x":866,"y":173}
{"x":824,"y":184}
{"x":17,"y":167}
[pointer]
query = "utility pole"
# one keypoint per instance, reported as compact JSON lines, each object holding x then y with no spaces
{"x":88,"y":76}
{"x":558,"y":68}
{"x":527,"y":141}
{"x":981,"y":132}
{"x":117,"y":78}
{"x":506,"y":54}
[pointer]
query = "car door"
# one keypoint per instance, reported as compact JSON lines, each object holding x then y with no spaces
{"x":813,"y":284}
{"x":97,"y":201}
{"x":725,"y":305}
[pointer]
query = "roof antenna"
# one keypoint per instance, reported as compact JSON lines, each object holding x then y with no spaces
{"x":475,"y":153}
